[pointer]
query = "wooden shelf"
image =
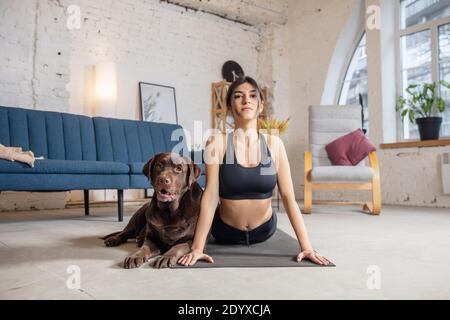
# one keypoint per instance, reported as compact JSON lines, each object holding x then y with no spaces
{"x":416,"y":144}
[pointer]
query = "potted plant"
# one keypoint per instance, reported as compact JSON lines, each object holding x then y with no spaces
{"x":423,"y":106}
{"x":272,"y":124}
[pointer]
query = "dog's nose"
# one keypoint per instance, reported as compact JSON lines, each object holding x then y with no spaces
{"x":164,"y":180}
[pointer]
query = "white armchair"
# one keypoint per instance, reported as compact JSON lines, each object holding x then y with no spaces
{"x":327,"y":123}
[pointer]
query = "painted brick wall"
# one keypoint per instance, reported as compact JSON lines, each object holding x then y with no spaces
{"x":35,"y":55}
{"x":158,"y":43}
{"x":44,"y":65}
{"x":16,"y":57}
{"x":34,"y":64}
{"x":48,"y":66}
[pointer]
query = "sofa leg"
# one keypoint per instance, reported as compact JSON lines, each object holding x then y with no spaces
{"x":120,"y":204}
{"x":86,"y":202}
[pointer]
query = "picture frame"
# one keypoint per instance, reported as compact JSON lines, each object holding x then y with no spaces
{"x":158,"y":103}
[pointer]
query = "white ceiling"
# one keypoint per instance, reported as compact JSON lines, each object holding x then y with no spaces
{"x":250,"y":12}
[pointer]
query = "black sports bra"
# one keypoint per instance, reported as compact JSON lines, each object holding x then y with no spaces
{"x":239,"y":182}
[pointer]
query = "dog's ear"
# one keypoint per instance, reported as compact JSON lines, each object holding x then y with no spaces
{"x":148,"y":167}
{"x":194,"y":173}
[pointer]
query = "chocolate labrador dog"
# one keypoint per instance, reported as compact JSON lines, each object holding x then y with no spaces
{"x":167,"y":223}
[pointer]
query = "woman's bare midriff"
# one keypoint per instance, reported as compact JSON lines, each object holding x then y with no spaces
{"x":246,"y":214}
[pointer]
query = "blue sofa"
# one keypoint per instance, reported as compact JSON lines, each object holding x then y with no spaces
{"x":82,"y":153}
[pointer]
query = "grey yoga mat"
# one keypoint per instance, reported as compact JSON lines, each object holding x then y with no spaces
{"x":279,"y":250}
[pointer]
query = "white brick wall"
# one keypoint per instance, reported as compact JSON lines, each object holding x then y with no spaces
{"x":159,"y":43}
{"x":49,"y":67}
{"x":20,"y":201}
{"x":52,"y":57}
{"x":34,"y":64}
{"x":413,"y":177}
{"x":35,"y":55}
{"x":17,"y":24}
{"x":163,"y":43}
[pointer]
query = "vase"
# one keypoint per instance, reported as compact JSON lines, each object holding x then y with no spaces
{"x":429,"y":127}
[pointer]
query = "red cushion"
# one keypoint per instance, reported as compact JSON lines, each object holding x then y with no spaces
{"x":350,"y":149}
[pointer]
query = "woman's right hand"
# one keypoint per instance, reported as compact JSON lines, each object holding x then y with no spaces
{"x":189,"y":259}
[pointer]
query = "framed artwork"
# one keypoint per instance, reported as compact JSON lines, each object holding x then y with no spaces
{"x":158,"y":103}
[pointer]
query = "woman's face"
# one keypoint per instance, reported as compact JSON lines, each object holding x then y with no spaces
{"x":245,"y":102}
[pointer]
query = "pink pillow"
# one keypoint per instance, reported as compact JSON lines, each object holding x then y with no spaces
{"x":350,"y":149}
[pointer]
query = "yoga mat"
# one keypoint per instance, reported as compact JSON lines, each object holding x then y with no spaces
{"x":280,"y":250}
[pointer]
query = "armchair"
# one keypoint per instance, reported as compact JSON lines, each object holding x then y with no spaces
{"x":327,"y":123}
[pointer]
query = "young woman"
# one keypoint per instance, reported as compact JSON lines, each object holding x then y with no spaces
{"x":244,"y":186}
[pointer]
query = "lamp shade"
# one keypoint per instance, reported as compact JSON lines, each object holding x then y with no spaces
{"x":105,"y":89}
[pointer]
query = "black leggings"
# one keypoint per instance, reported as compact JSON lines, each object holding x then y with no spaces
{"x":226,"y":234}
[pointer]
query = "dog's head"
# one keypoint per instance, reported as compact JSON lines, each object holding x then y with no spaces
{"x":171,"y":175}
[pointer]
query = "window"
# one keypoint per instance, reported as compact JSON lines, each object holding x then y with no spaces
{"x":425,"y":51}
{"x":415,"y":12}
{"x":444,"y":73}
{"x":354,"y":86}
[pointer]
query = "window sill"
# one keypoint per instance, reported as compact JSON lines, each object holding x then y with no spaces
{"x":416,"y":144}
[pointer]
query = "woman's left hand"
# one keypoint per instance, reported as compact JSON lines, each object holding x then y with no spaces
{"x":314,"y":256}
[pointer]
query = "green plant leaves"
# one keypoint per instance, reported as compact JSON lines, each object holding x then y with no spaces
{"x":411,"y":115}
{"x":445,"y":84}
{"x":440,"y":103}
{"x":424,"y":99}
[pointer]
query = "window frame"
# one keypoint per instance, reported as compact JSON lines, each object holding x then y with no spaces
{"x":349,"y":62}
{"x":343,"y":75}
{"x":433,"y":26}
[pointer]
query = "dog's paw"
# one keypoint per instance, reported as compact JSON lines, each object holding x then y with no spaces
{"x":112,"y":241}
{"x":134,"y":261}
{"x":165,"y":261}
{"x":139,"y":242}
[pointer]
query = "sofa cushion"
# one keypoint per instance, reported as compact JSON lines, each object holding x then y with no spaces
{"x":202,"y":167}
{"x":139,"y":181}
{"x":349,"y":149}
{"x":50,"y":134}
{"x":136,"y":167}
{"x":82,"y":148}
{"x":62,"y":182}
{"x":130,"y":141}
{"x":65,"y":167}
{"x":341,"y":174}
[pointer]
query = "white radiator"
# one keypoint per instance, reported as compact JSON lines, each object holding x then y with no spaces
{"x":446,"y":172}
